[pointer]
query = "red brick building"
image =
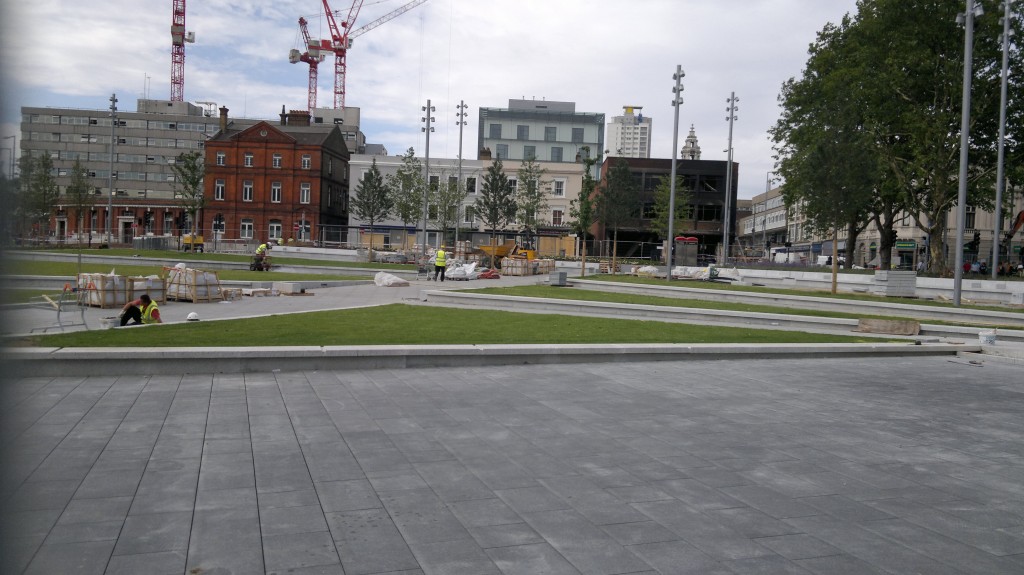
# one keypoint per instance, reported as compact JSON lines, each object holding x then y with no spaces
{"x":277,"y":181}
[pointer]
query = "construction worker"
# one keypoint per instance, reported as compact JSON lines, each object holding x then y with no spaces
{"x":143,"y":310}
{"x":440,"y":262}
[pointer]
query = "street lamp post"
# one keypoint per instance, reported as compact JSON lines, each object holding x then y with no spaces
{"x":1000,"y":182}
{"x":427,"y":128}
{"x":732,"y":109}
{"x":967,"y":19}
{"x":460,"y":122}
{"x":110,"y":176}
{"x":677,"y":100}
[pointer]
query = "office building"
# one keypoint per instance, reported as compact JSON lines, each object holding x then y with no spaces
{"x":543,"y":130}
{"x":629,"y":135}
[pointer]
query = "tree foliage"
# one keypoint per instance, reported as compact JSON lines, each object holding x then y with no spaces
{"x":583,"y":209}
{"x":496,"y":206}
{"x":407,"y":186}
{"x":80,"y":197}
{"x":662,"y":194}
{"x":446,"y":198}
{"x":617,"y":203}
{"x":43,"y":193}
{"x":372,"y":202}
{"x":189,"y":171}
{"x":531,"y":198}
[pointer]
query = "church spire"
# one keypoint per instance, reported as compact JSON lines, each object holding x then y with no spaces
{"x":691,"y":151}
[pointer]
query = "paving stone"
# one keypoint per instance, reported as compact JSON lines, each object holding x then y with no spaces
{"x":463,"y":557}
{"x":638,"y":533}
{"x":798,"y":546}
{"x":678,"y":557}
{"x":530,"y":560}
{"x":83,"y":532}
{"x":368,"y":542}
{"x":700,"y":530}
{"x":531,"y":499}
{"x":422,"y":517}
{"x":483,"y":512}
{"x":278,"y":520}
{"x":88,"y":557}
{"x":585,"y":546}
{"x":154,"y":532}
{"x":506,"y":535}
{"x":289,"y":551}
{"x":226,"y":540}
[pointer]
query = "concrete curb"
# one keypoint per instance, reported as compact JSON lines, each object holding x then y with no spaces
{"x":52,"y":362}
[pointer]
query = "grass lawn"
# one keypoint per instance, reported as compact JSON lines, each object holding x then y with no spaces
{"x":401,"y":324}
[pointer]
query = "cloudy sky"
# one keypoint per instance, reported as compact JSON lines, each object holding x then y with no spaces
{"x":600,"y":54}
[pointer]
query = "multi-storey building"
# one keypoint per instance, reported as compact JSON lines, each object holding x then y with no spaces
{"x":629,"y":135}
{"x":544,"y":130}
{"x":277,"y":182}
{"x":562,"y":182}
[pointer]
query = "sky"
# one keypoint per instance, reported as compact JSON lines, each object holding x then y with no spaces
{"x":601,"y":54}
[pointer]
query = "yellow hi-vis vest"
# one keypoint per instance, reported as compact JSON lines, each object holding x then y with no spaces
{"x":439,"y":258}
{"x":147,"y":312}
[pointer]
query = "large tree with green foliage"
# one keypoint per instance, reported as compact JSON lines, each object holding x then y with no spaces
{"x":189,"y":171}
{"x":80,"y":199}
{"x":681,"y":212}
{"x":43,"y":192}
{"x":583,"y":209}
{"x":531,"y":198}
{"x":407,"y":186}
{"x":618,"y":203}
{"x":496,"y":206}
{"x":372,"y":202}
{"x":446,"y":200}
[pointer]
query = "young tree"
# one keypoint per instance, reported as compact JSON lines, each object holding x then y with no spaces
{"x":531,"y":198}
{"x":42,"y":192}
{"x":659,"y":223}
{"x":618,"y":205}
{"x":582,"y":210}
{"x":80,"y":200}
{"x":496,"y":206}
{"x":446,"y":199}
{"x":407,"y":186}
{"x":188,"y":184}
{"x":372,"y":202}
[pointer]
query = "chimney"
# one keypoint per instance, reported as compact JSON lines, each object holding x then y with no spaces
{"x":485,"y":154}
{"x":284,"y":117}
{"x":223,"y":118}
{"x":298,"y":117}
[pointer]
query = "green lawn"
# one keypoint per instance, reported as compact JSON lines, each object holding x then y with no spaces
{"x":400,"y":324}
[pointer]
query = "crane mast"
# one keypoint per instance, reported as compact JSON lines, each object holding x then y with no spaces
{"x":178,"y":39}
{"x":312,"y":56}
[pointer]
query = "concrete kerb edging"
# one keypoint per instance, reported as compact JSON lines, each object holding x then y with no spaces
{"x":52,"y":362}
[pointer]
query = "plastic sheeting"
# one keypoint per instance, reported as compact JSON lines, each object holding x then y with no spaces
{"x":384,"y":279}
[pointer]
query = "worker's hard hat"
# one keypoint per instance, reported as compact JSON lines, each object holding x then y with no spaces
{"x":193,"y":316}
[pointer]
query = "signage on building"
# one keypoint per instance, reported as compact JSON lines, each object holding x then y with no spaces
{"x":906,"y":245}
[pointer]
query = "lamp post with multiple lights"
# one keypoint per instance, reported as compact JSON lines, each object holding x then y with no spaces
{"x":677,"y":100}
{"x":427,"y":129}
{"x":1000,"y":167}
{"x":110,"y":176}
{"x":732,"y":109}
{"x":967,"y":19}
{"x":460,"y":122}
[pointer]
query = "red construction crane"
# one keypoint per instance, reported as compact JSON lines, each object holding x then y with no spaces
{"x":313,"y":55}
{"x":341,"y":39}
{"x":178,"y":39}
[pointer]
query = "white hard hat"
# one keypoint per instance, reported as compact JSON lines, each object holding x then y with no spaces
{"x":193,"y":316}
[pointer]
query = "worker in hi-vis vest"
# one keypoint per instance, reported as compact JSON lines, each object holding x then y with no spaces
{"x":440,"y":262}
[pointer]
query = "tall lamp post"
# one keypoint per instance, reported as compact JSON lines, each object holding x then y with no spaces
{"x":460,"y":122}
{"x":677,"y":100}
{"x":967,"y":19}
{"x":110,"y":176}
{"x":1000,"y":181}
{"x":732,"y":109}
{"x":427,"y":129}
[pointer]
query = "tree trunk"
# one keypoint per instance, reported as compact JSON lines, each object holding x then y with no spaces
{"x":615,"y":251}
{"x":583,"y":266}
{"x":835,"y":259}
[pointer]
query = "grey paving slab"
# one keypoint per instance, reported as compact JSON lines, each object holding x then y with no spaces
{"x":758,"y":466}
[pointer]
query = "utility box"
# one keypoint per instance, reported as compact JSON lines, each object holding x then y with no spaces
{"x":685,"y":253}
{"x":557,"y":279}
{"x":896,"y":283}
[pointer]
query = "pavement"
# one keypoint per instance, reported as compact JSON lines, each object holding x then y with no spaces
{"x":780,"y":463}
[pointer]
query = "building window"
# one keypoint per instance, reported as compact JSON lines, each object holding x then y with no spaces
{"x":522,"y":132}
{"x":245,"y":232}
{"x":470,"y":185}
{"x":558,"y":188}
{"x":275,"y":192}
{"x":453,"y":183}
{"x":556,"y":154}
{"x":307,"y":161}
{"x":222,"y":158}
{"x":247,"y":191}
{"x":529,"y":152}
{"x":513,"y":185}
{"x":248,"y":159}
{"x":434,"y":182}
{"x":274,"y":231}
{"x":304,"y":193}
{"x":276,"y":160}
{"x":495,"y":133}
{"x":469,"y":217}
{"x":577,"y":135}
{"x":550,"y":134}
{"x":218,"y":190}
{"x":501,"y":151}
{"x":556,"y":217}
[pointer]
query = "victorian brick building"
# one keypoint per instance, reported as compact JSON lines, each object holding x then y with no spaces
{"x":286,"y":181}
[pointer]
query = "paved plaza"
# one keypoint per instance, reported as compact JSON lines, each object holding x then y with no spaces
{"x":828,"y":466}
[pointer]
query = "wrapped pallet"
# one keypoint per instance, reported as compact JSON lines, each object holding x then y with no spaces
{"x":516,"y":267}
{"x":187,"y":284}
{"x":102,"y":290}
{"x":152,"y":285}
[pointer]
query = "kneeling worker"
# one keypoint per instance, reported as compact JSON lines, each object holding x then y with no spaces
{"x":142,"y":310}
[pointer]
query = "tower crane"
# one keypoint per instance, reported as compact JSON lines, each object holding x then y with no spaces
{"x":178,"y":39}
{"x":313,"y":55}
{"x":341,"y":39}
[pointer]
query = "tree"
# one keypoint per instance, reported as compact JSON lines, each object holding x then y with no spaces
{"x":446,"y":198}
{"x":659,"y":223}
{"x":496,"y":205}
{"x":80,"y":200}
{"x":617,"y":204}
{"x":531,"y":198}
{"x":42,"y":192}
{"x":582,"y":210}
{"x":188,"y":184}
{"x":407,"y":186}
{"x":372,"y":202}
